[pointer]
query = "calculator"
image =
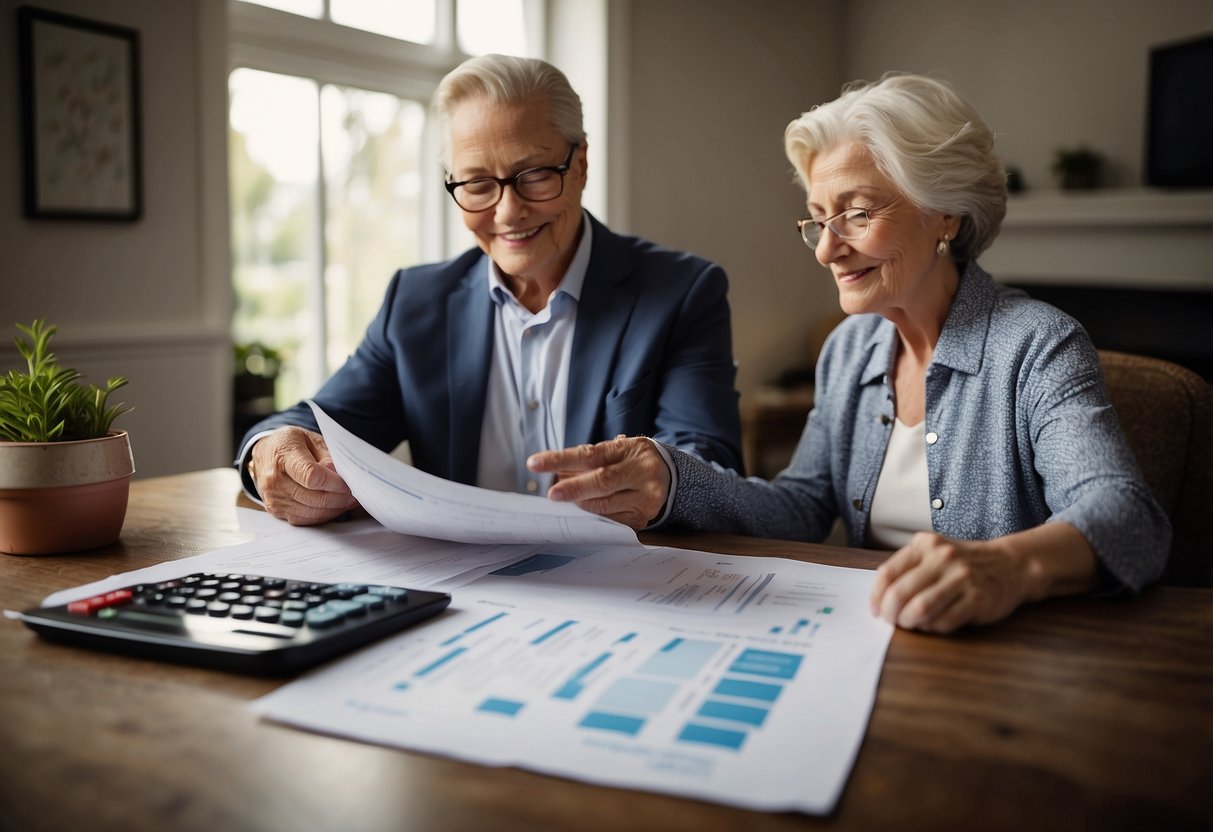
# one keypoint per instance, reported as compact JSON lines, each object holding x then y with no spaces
{"x":249,"y":623}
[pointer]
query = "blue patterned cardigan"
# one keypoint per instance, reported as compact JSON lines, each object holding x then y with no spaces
{"x":1025,"y":435}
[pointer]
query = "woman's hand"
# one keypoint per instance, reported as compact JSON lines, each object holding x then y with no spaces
{"x":624,"y":478}
{"x":938,"y":585}
{"x":294,"y":475}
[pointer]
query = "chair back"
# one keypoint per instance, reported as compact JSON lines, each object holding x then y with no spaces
{"x":1166,"y":412}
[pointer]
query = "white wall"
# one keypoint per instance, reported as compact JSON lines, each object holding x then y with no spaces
{"x":147,"y":299}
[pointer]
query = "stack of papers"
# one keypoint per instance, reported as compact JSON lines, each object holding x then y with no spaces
{"x":570,"y":648}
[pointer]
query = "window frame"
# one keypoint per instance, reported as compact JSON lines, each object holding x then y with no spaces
{"x":325,"y":52}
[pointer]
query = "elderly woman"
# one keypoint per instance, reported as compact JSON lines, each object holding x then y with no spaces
{"x":956,"y":421}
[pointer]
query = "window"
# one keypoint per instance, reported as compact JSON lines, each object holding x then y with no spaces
{"x":334,"y":181}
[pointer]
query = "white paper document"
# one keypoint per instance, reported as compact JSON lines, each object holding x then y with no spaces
{"x":745,"y":681}
{"x":408,"y":500}
{"x":360,"y":551}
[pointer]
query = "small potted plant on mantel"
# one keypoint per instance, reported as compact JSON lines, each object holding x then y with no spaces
{"x":64,"y":471}
{"x":1078,"y":168}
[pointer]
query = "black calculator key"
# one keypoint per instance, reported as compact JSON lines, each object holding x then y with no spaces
{"x":243,"y":611}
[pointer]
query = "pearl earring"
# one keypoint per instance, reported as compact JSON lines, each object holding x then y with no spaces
{"x":941,"y":248}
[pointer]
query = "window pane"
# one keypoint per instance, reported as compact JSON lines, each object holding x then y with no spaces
{"x":491,"y":26}
{"x":273,"y":173}
{"x":307,"y":8}
{"x":405,"y":19}
{"x":372,"y":144}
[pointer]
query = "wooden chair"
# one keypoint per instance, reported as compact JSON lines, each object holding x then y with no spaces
{"x":1166,"y":411}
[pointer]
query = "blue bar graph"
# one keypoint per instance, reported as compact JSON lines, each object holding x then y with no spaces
{"x":734,"y":713}
{"x":625,"y":639}
{"x":473,"y":628}
{"x":746,"y":689}
{"x":507,"y":707}
{"x":541,"y":639}
{"x":767,"y":663}
{"x":576,"y":683}
{"x":680,"y":658}
{"x":706,"y":735}
{"x":800,"y":625}
{"x":439,"y":662}
{"x":535,"y":563}
{"x":612,"y":722}
{"x":637,"y":696}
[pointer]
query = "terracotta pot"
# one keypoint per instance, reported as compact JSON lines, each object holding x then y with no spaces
{"x":60,"y":497}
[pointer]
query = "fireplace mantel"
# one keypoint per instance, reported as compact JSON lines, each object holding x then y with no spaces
{"x":1124,"y":238}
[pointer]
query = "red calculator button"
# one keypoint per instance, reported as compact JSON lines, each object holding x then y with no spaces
{"x":88,"y":606}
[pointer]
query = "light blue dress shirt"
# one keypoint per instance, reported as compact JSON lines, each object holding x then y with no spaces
{"x":1019,"y":431}
{"x":528,"y":383}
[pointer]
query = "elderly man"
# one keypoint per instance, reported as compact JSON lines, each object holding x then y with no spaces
{"x":554,"y":332}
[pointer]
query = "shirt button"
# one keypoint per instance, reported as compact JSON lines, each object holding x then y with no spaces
{"x":534,"y":405}
{"x":884,"y":420}
{"x":857,"y":503}
{"x":937,"y":503}
{"x":932,"y":438}
{"x":533,"y":486}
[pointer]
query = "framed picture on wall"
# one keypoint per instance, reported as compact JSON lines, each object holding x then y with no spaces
{"x":79,"y":117}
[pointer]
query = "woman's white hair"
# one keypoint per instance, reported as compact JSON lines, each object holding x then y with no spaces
{"x":927,"y":140}
{"x":504,"y":79}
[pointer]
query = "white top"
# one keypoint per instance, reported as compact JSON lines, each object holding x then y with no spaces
{"x":902,"y":503}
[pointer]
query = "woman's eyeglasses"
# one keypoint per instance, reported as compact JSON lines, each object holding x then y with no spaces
{"x":850,"y":225}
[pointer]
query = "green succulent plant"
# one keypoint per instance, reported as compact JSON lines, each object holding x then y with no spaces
{"x":49,"y":403}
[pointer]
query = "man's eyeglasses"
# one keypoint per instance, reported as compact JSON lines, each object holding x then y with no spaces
{"x":851,"y":225}
{"x":533,"y":184}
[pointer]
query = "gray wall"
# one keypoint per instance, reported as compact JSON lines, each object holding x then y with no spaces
{"x":139,"y":299}
{"x":713,"y":83}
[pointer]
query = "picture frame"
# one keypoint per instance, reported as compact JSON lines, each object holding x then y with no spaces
{"x":80,"y":117}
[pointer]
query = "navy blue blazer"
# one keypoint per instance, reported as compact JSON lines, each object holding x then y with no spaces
{"x":651,"y":355}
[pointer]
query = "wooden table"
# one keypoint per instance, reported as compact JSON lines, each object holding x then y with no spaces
{"x":1075,"y":714}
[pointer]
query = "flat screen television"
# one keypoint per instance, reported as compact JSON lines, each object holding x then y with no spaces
{"x":1179,"y":133}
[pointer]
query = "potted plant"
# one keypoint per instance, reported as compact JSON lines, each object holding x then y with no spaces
{"x":64,"y":471}
{"x":1078,"y":167}
{"x":257,"y":366}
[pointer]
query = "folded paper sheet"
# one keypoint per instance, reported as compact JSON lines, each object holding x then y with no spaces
{"x":408,"y":500}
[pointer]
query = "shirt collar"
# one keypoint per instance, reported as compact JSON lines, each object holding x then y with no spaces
{"x":574,"y":277}
{"x":962,"y":341}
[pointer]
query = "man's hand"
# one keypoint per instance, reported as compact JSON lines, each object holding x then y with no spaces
{"x":624,"y":478}
{"x":294,"y":474}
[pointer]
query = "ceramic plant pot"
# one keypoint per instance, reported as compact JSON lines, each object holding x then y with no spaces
{"x":60,"y":497}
